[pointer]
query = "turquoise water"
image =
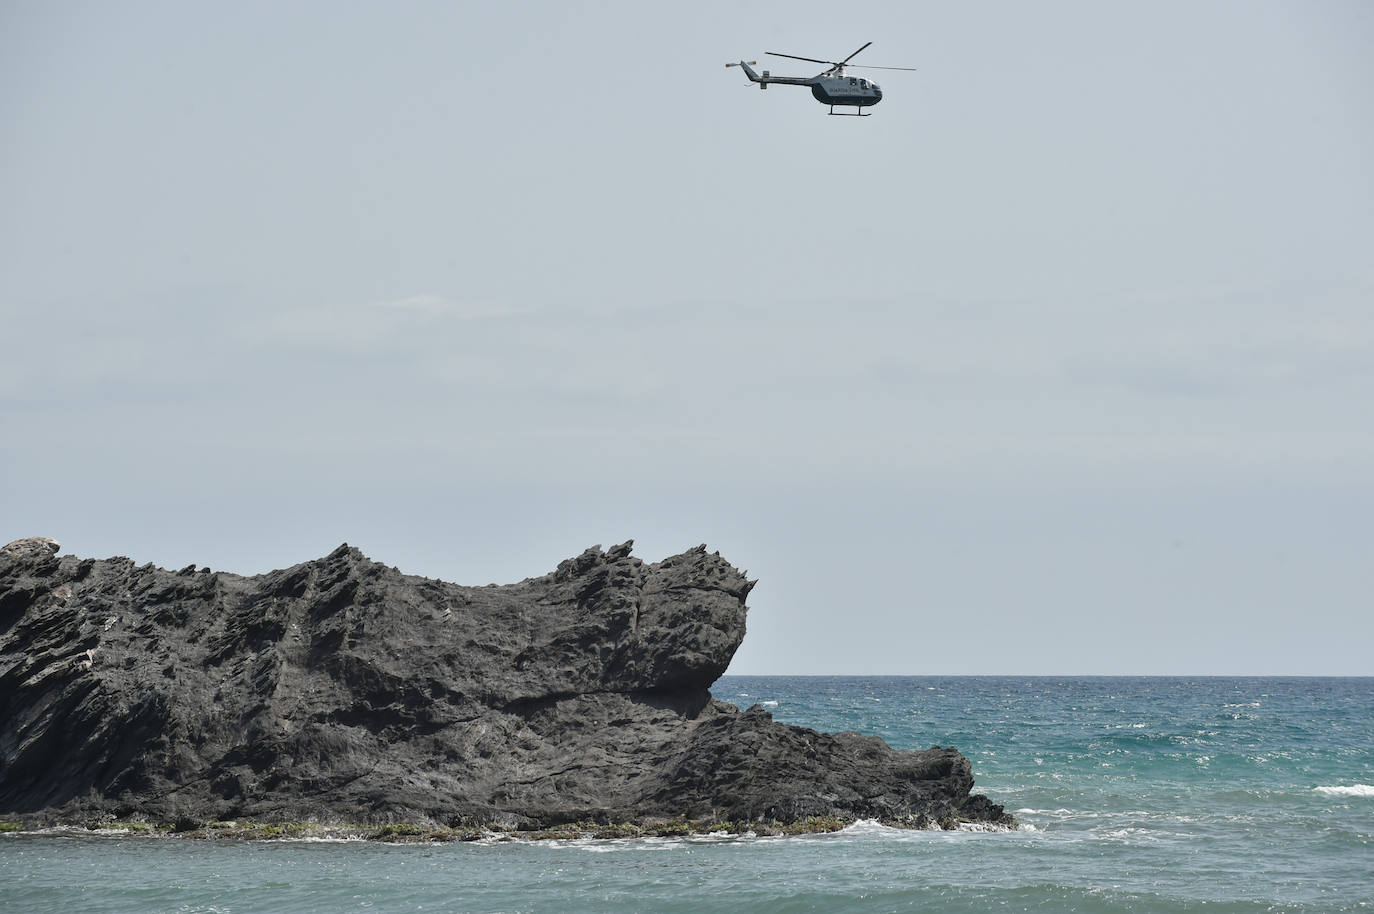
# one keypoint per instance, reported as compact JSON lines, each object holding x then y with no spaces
{"x":1149,"y":794}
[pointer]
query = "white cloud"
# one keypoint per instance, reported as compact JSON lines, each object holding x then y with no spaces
{"x":438,"y":307}
{"x":414,"y":322}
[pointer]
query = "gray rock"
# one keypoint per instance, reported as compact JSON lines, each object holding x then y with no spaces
{"x":31,"y":547}
{"x":341,"y":690}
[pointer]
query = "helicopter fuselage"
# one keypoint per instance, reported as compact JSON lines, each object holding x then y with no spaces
{"x":846,"y":90}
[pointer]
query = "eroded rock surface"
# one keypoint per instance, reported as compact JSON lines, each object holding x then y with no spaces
{"x":343,"y":690}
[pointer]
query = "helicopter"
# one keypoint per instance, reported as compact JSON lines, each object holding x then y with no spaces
{"x":831,"y":87}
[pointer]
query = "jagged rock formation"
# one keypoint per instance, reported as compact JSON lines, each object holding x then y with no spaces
{"x":343,"y":690}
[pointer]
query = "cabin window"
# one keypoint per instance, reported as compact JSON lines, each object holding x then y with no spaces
{"x":864,"y":83}
{"x":853,"y":81}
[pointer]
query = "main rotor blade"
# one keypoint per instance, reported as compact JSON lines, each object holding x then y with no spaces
{"x":795,"y":57}
{"x":864,"y":66}
{"x":852,"y":56}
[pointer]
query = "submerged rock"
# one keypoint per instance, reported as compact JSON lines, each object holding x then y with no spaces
{"x":341,"y":690}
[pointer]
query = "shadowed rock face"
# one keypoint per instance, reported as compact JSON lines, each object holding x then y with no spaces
{"x":342,"y":690}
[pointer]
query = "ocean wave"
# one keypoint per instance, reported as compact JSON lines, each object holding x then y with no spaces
{"x":73,"y":831}
{"x":871,"y":827}
{"x":993,"y":827}
{"x":612,"y":845}
{"x":1347,"y":790}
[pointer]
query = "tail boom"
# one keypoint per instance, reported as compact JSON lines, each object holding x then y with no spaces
{"x":763,"y":79}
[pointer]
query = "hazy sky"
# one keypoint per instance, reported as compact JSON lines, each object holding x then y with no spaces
{"x":1062,"y":362}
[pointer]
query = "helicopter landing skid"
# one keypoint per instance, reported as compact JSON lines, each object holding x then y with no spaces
{"x":833,"y":113}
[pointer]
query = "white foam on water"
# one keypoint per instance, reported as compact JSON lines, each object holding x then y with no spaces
{"x":612,"y":845}
{"x":991,"y":827}
{"x":641,"y":843}
{"x":75,"y":831}
{"x":870,"y":827}
{"x":1347,"y":790}
{"x":769,"y":704}
{"x":1122,"y":834}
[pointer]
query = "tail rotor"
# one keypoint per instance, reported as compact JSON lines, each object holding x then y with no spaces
{"x":748,"y":66}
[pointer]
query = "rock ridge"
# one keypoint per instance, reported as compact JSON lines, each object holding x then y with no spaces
{"x":342,"y":690}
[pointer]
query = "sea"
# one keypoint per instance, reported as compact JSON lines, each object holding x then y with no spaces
{"x":1133,"y":794}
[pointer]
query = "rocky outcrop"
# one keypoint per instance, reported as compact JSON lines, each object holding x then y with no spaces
{"x":32,"y":547}
{"x":343,"y":690}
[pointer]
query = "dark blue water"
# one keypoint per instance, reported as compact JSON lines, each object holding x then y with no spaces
{"x":1146,"y":794}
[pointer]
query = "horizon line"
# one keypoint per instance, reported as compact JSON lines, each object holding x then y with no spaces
{"x":1058,"y":675}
